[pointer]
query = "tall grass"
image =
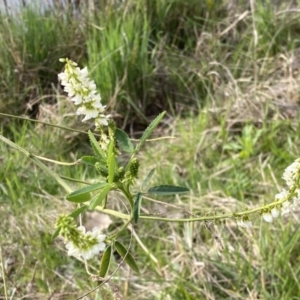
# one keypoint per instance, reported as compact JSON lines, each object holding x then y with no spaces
{"x":31,"y":44}
{"x":144,"y":56}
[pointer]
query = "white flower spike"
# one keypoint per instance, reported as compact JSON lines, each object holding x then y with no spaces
{"x":292,"y":173}
{"x":83,"y":93}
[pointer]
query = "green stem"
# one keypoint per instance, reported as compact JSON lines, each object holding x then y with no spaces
{"x":127,"y":194}
{"x":78,"y":162}
{"x":113,"y":213}
{"x":115,"y":235}
{"x":206,"y":218}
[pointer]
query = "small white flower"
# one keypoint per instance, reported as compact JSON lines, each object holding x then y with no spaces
{"x":275,"y":212}
{"x":72,"y":249}
{"x":282,"y":195}
{"x":100,"y":246}
{"x":246,"y":223}
{"x":291,"y":173}
{"x":89,"y":113}
{"x":285,"y":208}
{"x":267,"y":216}
{"x":101,"y":120}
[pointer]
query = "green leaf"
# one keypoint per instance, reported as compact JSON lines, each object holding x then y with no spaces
{"x":83,"y":195}
{"x":56,"y":233}
{"x":149,"y":130}
{"x":78,"y":211}
{"x":99,"y":198}
{"x":127,"y":257}
{"x":105,"y":262}
{"x":167,"y":190}
{"x":123,"y":140}
{"x":74,"y":215}
{"x":90,"y":160}
{"x":95,"y":145}
{"x":147,"y":179}
{"x":111,"y":161}
{"x":137,"y":207}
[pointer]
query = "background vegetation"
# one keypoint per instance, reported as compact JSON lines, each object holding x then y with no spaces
{"x":228,"y":75}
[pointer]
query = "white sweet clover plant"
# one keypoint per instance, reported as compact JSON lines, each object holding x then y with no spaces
{"x":85,"y":245}
{"x":82,"y":91}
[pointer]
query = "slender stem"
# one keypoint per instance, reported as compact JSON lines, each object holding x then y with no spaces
{"x":75,"y":180}
{"x":127,"y":194}
{"x":125,"y":225}
{"x":206,"y":218}
{"x":113,"y":213}
{"x":77,"y":162}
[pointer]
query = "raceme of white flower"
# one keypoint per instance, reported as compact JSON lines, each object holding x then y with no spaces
{"x":83,"y":93}
{"x":88,"y":244}
{"x":291,"y":174}
{"x":289,"y":199}
{"x":78,"y":241}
